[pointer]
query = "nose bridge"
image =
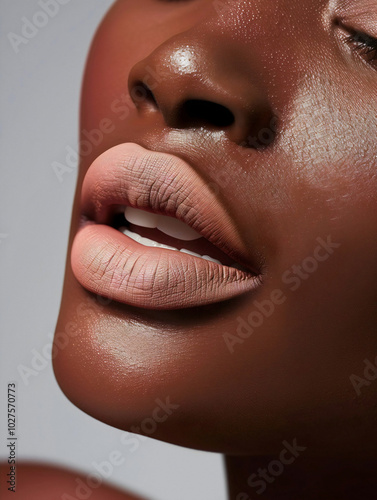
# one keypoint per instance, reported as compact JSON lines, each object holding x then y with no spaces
{"x":206,"y":76}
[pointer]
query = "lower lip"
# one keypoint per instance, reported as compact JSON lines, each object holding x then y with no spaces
{"x":109,"y":263}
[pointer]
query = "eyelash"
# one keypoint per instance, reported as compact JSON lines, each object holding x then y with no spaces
{"x":365,"y":45}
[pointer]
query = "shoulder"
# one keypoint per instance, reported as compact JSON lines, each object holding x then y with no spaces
{"x":33,"y":481}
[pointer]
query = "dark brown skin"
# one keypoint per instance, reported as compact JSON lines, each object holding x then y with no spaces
{"x":283,"y":64}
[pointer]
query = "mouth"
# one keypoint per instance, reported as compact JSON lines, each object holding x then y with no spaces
{"x":161,"y":231}
{"x":154,"y":235}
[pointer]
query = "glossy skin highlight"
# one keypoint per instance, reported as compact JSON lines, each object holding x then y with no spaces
{"x":283,"y":67}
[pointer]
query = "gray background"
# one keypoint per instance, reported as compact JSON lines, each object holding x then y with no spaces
{"x":40,"y":87}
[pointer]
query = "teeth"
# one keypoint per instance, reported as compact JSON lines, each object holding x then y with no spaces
{"x":176,"y":228}
{"x":151,"y":243}
{"x":140,"y":217}
{"x":145,"y":241}
{"x":168,"y":225}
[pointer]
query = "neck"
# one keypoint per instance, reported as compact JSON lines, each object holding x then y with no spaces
{"x":293,"y":476}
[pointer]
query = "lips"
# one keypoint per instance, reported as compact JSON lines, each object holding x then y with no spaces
{"x":117,"y":261}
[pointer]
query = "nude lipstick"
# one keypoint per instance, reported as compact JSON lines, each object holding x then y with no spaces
{"x":154,"y":235}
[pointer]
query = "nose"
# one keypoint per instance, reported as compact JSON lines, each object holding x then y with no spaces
{"x":195,"y":82}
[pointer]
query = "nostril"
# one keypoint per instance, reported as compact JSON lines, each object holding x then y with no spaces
{"x":142,"y":96}
{"x":197,"y":112}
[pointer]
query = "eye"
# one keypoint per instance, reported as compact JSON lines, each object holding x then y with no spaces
{"x":364,"y":45}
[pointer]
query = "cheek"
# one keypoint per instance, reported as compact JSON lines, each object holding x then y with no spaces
{"x":330,"y":135}
{"x":331,"y":172}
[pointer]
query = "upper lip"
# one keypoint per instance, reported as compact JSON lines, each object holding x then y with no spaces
{"x":161,"y":183}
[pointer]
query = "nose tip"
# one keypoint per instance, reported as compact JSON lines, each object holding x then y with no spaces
{"x":201,"y":86}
